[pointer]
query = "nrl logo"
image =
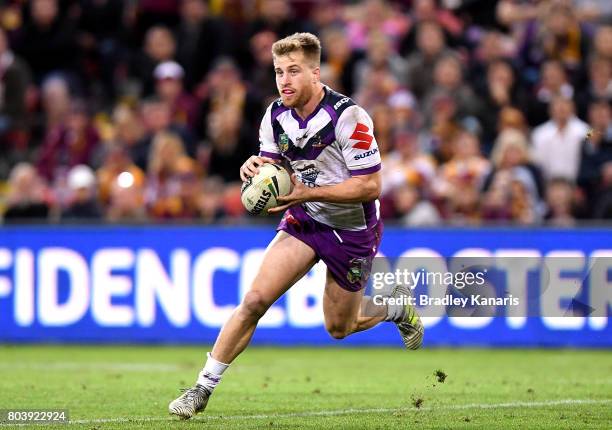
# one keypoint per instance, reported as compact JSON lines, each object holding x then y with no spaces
{"x":283,"y":142}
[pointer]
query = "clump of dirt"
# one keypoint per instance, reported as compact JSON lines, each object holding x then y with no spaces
{"x":440,"y":375}
{"x":417,"y":402}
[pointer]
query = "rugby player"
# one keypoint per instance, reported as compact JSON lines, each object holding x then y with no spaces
{"x":332,"y":214}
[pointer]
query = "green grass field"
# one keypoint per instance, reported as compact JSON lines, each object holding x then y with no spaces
{"x":315,"y":388}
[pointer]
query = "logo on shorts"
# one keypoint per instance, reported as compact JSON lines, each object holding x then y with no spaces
{"x":283,"y":142}
{"x":358,"y":270}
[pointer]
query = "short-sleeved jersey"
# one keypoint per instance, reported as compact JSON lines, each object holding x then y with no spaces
{"x":334,"y":143}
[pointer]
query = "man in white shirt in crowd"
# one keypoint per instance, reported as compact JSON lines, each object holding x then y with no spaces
{"x":557,"y":142}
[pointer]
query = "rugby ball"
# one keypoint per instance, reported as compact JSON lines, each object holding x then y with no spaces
{"x":259,"y":193}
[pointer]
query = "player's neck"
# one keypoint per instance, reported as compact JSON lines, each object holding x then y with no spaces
{"x":309,"y":107}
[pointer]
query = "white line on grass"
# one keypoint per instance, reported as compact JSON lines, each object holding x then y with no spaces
{"x":338,"y":412}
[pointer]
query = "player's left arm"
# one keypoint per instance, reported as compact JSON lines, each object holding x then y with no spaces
{"x":355,"y":134}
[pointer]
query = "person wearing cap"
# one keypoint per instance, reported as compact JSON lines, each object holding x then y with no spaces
{"x":83,"y":204}
{"x":169,"y":88}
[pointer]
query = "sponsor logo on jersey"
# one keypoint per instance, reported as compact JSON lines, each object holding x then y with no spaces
{"x":362,"y":136}
{"x":366,"y":154}
{"x":340,"y":103}
{"x":283,"y":142}
{"x":308,"y":175}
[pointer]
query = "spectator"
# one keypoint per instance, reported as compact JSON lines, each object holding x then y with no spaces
{"x":404,"y":111}
{"x":377,"y":86}
{"x":512,"y":118}
{"x":501,"y":91}
{"x":338,"y":55}
{"x":100,"y":33}
{"x":466,"y":168}
{"x":169,"y":88}
{"x":596,"y":151}
{"x":511,"y":151}
{"x":428,"y":11}
{"x":380,"y":56}
{"x":492,"y":47}
{"x":230,"y":143}
{"x":413,"y":209}
{"x":560,"y":202}
{"x":83,"y":200}
{"x":128,"y":128}
{"x":262,"y":77}
{"x":603,"y":205}
{"x":47,"y":41}
{"x":407,"y":164}
{"x":68,"y":144}
{"x":459,"y":180}
{"x":157,"y":117}
{"x":225,"y":89}
{"x":563,"y":38}
{"x":171,"y":176}
{"x":448,"y":77}
{"x":126,"y":200}
{"x":602,"y":42}
{"x":556,"y":143}
{"x":28,"y":197}
{"x":420,"y":64}
{"x":159,"y":46}
{"x":375,"y":16}
{"x":553,"y":83}
{"x":599,"y":85}
{"x":116,"y":160}
{"x":200,"y":38}
{"x":14,"y":81}
{"x":277,"y":16}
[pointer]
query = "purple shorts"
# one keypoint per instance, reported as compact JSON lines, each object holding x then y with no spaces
{"x":347,"y":254}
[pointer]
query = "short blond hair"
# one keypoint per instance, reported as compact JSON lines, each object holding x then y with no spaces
{"x":307,"y":43}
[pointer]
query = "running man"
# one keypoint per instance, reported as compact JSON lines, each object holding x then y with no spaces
{"x":332,"y":214}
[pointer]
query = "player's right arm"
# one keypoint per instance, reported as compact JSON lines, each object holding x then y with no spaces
{"x":268,"y":149}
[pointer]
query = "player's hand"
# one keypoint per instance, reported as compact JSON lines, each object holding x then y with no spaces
{"x":251,"y":167}
{"x":299,"y":194}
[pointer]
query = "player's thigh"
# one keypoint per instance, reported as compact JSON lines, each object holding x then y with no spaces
{"x":340,"y":306}
{"x":285,"y":261}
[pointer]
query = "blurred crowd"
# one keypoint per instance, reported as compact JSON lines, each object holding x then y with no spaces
{"x":485,"y":111}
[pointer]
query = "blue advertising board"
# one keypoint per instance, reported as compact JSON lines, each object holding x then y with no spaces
{"x":176,"y":284}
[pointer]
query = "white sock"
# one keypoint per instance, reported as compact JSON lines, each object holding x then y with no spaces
{"x":395,"y":312}
{"x":210,"y":375}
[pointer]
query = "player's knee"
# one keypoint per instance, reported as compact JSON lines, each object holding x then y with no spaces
{"x":254,"y":304}
{"x":338,"y":331}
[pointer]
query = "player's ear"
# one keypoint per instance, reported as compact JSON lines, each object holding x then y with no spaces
{"x":316,"y":74}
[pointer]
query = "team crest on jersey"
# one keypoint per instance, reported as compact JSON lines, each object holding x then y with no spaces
{"x":317,"y":141}
{"x":283,"y":142}
{"x":358,"y":270}
{"x":309,"y":174}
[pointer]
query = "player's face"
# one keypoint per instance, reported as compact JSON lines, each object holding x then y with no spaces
{"x":295,"y":79}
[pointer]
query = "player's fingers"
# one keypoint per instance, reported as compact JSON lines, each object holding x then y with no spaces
{"x":278,"y":209}
{"x":251,"y":170}
{"x":267,"y":160}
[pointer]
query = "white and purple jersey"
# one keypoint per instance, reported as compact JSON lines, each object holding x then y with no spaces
{"x":334,"y":143}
